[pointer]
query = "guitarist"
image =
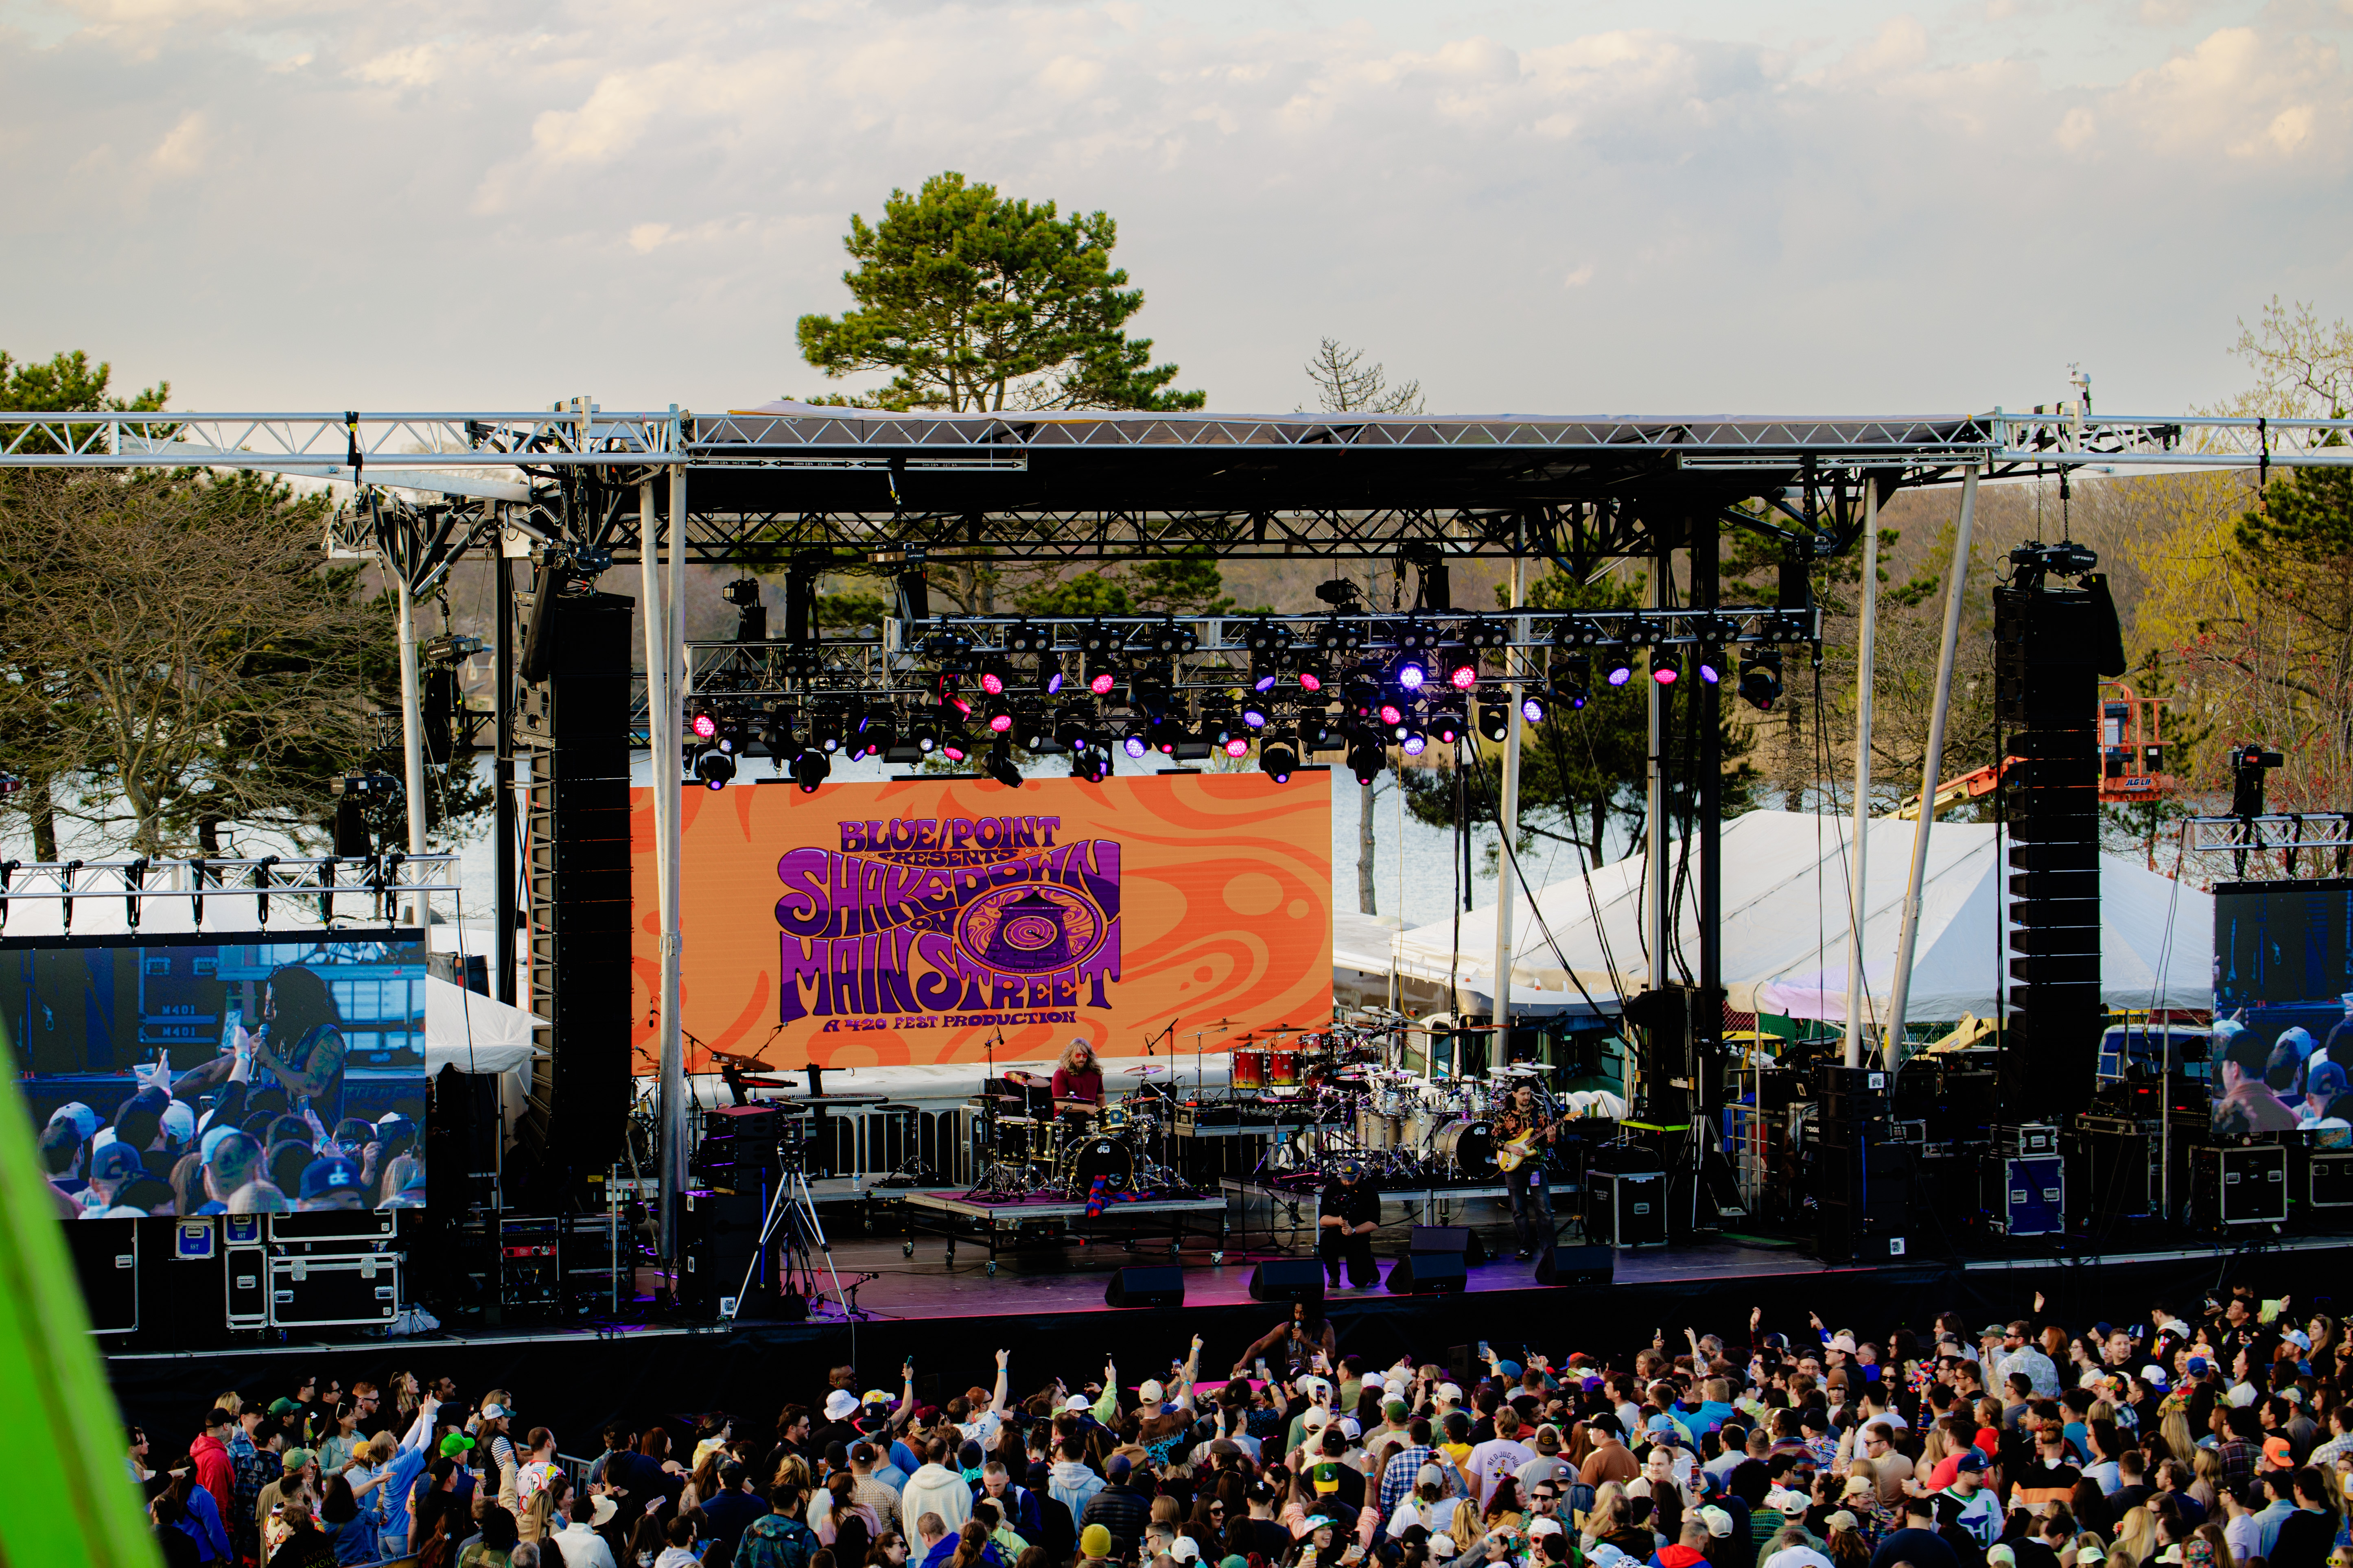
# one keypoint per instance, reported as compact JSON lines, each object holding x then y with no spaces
{"x":1526,"y":1123}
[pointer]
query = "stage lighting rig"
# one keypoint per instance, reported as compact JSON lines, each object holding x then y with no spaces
{"x":1269,"y":642}
{"x":1030,"y":730}
{"x":777,"y":735}
{"x":1664,"y":670}
{"x":1572,"y":678}
{"x":1137,"y":741}
{"x":811,"y":769}
{"x":1073,"y":726}
{"x":1099,"y":657}
{"x":874,"y":734}
{"x":1162,"y":639}
{"x":1617,"y":665}
{"x":995,"y":675}
{"x":1023,"y":638}
{"x":1311,"y":674}
{"x":1365,"y":760}
{"x":714,"y":768}
{"x":1165,"y":735}
{"x":1482,"y":634}
{"x":1335,"y":636}
{"x":824,"y":727}
{"x":703,"y":723}
{"x":1256,"y":712}
{"x":1411,"y":741}
{"x":1000,"y":716}
{"x":727,"y":733}
{"x":1447,"y":724}
{"x":1461,"y":667}
{"x":1316,"y":731}
{"x":1710,"y":663}
{"x":923,"y":735}
{"x":1495,"y":722}
{"x":1760,"y":677}
{"x":1278,"y":758}
{"x":999,"y":765}
{"x":1532,"y":706}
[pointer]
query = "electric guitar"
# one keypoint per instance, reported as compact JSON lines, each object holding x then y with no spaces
{"x":1510,"y":1156}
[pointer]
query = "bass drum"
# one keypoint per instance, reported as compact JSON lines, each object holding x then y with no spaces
{"x":1089,"y":1159}
{"x":1469,"y":1147}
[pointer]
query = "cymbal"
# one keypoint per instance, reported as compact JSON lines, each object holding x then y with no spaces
{"x":1149,"y":1069}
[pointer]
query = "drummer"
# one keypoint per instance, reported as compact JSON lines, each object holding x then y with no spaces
{"x":1078,"y":1078}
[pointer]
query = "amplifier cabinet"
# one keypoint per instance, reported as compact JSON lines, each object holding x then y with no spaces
{"x":318,"y":1291}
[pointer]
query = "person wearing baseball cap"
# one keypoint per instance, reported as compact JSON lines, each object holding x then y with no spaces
{"x":331,"y":1184}
{"x":1347,"y":1214}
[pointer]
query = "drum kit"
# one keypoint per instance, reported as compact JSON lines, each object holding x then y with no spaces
{"x":1036,"y":1149}
{"x":1405,"y":1127}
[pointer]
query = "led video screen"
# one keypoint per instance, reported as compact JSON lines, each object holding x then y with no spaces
{"x":241,"y":1074}
{"x":2284,"y":1007}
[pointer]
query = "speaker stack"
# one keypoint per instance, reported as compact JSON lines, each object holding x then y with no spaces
{"x":1860,"y":1176}
{"x":1156,"y":1286}
{"x":572,"y":719}
{"x":722,"y":1236}
{"x":2051,"y":644}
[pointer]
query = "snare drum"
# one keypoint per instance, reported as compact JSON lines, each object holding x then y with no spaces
{"x":1282,"y":1069}
{"x":1115,"y":1119}
{"x":1469,"y":1146}
{"x":1250,"y":1069}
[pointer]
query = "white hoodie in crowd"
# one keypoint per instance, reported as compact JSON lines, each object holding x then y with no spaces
{"x":935,"y":1489}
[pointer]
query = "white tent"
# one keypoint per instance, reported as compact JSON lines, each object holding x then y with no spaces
{"x":1786,"y":882}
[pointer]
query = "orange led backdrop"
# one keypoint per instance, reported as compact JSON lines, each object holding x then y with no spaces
{"x":886,"y":923}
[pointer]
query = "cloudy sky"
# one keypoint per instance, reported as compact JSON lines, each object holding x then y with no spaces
{"x":1579,"y":207}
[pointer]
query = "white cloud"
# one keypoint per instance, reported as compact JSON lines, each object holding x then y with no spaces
{"x":181,"y":150}
{"x":1444,"y":196}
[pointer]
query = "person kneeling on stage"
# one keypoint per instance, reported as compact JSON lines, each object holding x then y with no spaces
{"x":1345,"y":1218}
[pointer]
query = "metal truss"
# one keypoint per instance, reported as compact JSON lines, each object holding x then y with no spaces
{"x":1579,"y":491}
{"x":385,"y":881}
{"x":1209,"y":654}
{"x":2279,"y":830}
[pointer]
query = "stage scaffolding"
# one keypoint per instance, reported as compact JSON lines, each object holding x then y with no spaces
{"x":573,"y":491}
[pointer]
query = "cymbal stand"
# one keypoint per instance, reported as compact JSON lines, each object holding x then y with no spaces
{"x":1199,"y":1079}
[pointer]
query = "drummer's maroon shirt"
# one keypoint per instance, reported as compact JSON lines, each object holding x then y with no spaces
{"x":1087,"y":1085}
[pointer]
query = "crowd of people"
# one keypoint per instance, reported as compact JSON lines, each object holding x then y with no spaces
{"x":2219,"y":1440}
{"x":262,"y":1128}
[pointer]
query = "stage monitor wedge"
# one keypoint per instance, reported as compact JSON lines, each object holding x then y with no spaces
{"x":1460,"y":1239}
{"x":1576,"y":1265}
{"x":1155,"y":1287}
{"x":1429,"y":1274}
{"x":1287,"y":1279}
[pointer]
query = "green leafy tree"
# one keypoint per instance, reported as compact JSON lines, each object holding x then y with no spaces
{"x":1088,"y":594}
{"x":976,"y":301}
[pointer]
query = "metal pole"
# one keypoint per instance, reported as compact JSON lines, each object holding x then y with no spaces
{"x":1866,"y":659}
{"x":1891,"y":1042}
{"x":1654,"y":835}
{"x":1507,"y":818}
{"x":412,"y":734}
{"x":504,"y":810}
{"x":671,"y":721}
{"x":1706,"y":1039}
{"x":658,"y":743}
